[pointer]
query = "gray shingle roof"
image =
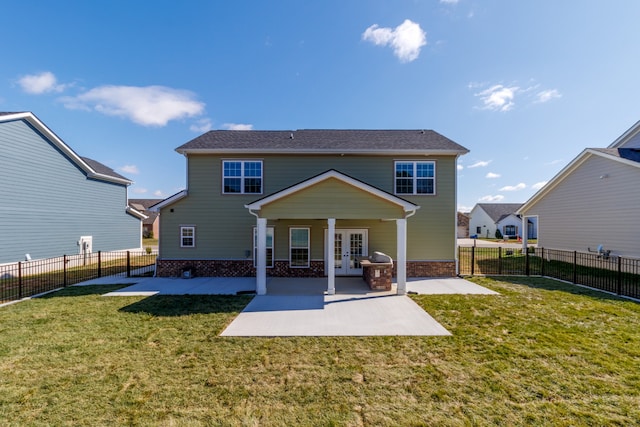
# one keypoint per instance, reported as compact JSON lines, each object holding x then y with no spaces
{"x":309,"y":140}
{"x":497,"y":211}
{"x":102,"y":169}
{"x":632,"y":154}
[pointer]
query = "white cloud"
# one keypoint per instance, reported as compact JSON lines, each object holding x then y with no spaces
{"x":498,"y":97}
{"x":547,"y":95}
{"x":201,"y":126}
{"x":37,"y":84}
{"x":491,"y":199}
{"x":406,"y":39}
{"x":237,"y":126}
{"x":147,"y":106}
{"x":449,"y":1}
{"x":553,"y":162}
{"x":159,"y":193}
{"x":539,"y":185}
{"x":464,"y":209}
{"x":132,"y":169}
{"x":460,"y":167}
{"x":139,"y":190}
{"x":517,"y":187}
{"x":492,"y":175}
{"x":479,"y":164}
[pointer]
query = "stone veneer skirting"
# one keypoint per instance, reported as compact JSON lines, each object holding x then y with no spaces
{"x":245,"y":268}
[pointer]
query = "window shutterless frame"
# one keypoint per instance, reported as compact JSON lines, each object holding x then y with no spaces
{"x":269,"y":246}
{"x":187,"y":236}
{"x":242,"y":176}
{"x":299,"y":247}
{"x":414,"y":177}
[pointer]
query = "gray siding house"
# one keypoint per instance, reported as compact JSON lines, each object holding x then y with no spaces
{"x":312,"y":203}
{"x":55,"y":202}
{"x":594,"y":201}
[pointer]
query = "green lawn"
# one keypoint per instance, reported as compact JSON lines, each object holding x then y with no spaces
{"x":541,"y":353}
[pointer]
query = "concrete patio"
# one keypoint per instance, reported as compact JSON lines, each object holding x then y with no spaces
{"x":301,"y":307}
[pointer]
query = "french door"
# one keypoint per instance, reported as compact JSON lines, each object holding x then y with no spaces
{"x":350,"y":245}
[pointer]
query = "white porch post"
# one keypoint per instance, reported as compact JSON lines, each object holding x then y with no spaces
{"x":331,"y":259}
{"x":401,"y":225}
{"x":261,"y":262}
{"x":525,"y":234}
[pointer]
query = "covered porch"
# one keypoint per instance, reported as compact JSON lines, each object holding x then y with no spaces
{"x":335,"y":199}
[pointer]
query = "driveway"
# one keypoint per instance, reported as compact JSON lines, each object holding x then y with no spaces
{"x":490,"y":244}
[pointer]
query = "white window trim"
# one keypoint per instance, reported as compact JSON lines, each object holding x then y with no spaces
{"x":415,"y":178}
{"x":308,"y":247}
{"x":182,"y":237}
{"x":255,"y":246}
{"x":242,"y":176}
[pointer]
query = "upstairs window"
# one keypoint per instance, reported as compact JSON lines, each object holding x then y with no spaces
{"x":415,"y":177}
{"x":242,"y":177}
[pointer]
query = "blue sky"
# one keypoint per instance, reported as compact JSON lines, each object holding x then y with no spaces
{"x":524,"y":85}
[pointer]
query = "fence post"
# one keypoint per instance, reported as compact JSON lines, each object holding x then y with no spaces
{"x":542,"y":262}
{"x":99,"y":264}
{"x":473,"y":259}
{"x":19,"y":280}
{"x":619,"y":287}
{"x":575,"y":267}
{"x":499,"y":260}
{"x":128,"y":264}
{"x":526,"y":262}
{"x":64,"y":269}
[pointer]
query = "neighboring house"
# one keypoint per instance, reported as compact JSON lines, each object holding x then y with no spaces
{"x":486,"y":218}
{"x":55,"y":202}
{"x":151,"y":224}
{"x":463,"y":225}
{"x":593,"y":201}
{"x":311,"y":203}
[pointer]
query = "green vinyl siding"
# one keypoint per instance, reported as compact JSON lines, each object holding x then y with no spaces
{"x":331,"y":199}
{"x":224,"y":225}
{"x":48,"y":202}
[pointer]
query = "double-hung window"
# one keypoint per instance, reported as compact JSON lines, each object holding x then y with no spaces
{"x":510,"y":230}
{"x":269,"y":246}
{"x":242,"y":177}
{"x":299,"y":252}
{"x":188,"y":237}
{"x":415,"y":177}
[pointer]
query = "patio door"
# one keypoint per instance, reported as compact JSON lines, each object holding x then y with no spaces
{"x":350,"y":245}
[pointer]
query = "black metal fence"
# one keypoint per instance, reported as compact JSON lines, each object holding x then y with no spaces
{"x":28,"y":278}
{"x":608,"y":273}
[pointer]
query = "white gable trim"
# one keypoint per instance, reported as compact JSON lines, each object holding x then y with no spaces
{"x":406,"y":205}
{"x":629,"y":134}
{"x":64,"y":148}
{"x":566,"y":171}
{"x":168,"y":201}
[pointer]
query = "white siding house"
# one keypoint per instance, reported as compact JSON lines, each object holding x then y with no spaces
{"x":593,"y":201}
{"x":486,"y":218}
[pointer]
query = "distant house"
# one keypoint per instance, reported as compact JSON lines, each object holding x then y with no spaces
{"x":594,"y":201}
{"x":463,"y":225}
{"x":486,"y":218}
{"x":151,"y":224}
{"x":313,"y":203}
{"x":55,"y":202}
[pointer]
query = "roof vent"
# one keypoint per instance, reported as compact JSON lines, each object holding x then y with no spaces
{"x":291,"y":135}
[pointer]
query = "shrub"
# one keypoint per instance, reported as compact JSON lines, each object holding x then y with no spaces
{"x":498,"y":234}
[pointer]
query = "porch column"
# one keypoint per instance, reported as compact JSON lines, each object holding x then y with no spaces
{"x":525,"y":233}
{"x":261,"y":262}
{"x":401,"y":267}
{"x":331,"y":258}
